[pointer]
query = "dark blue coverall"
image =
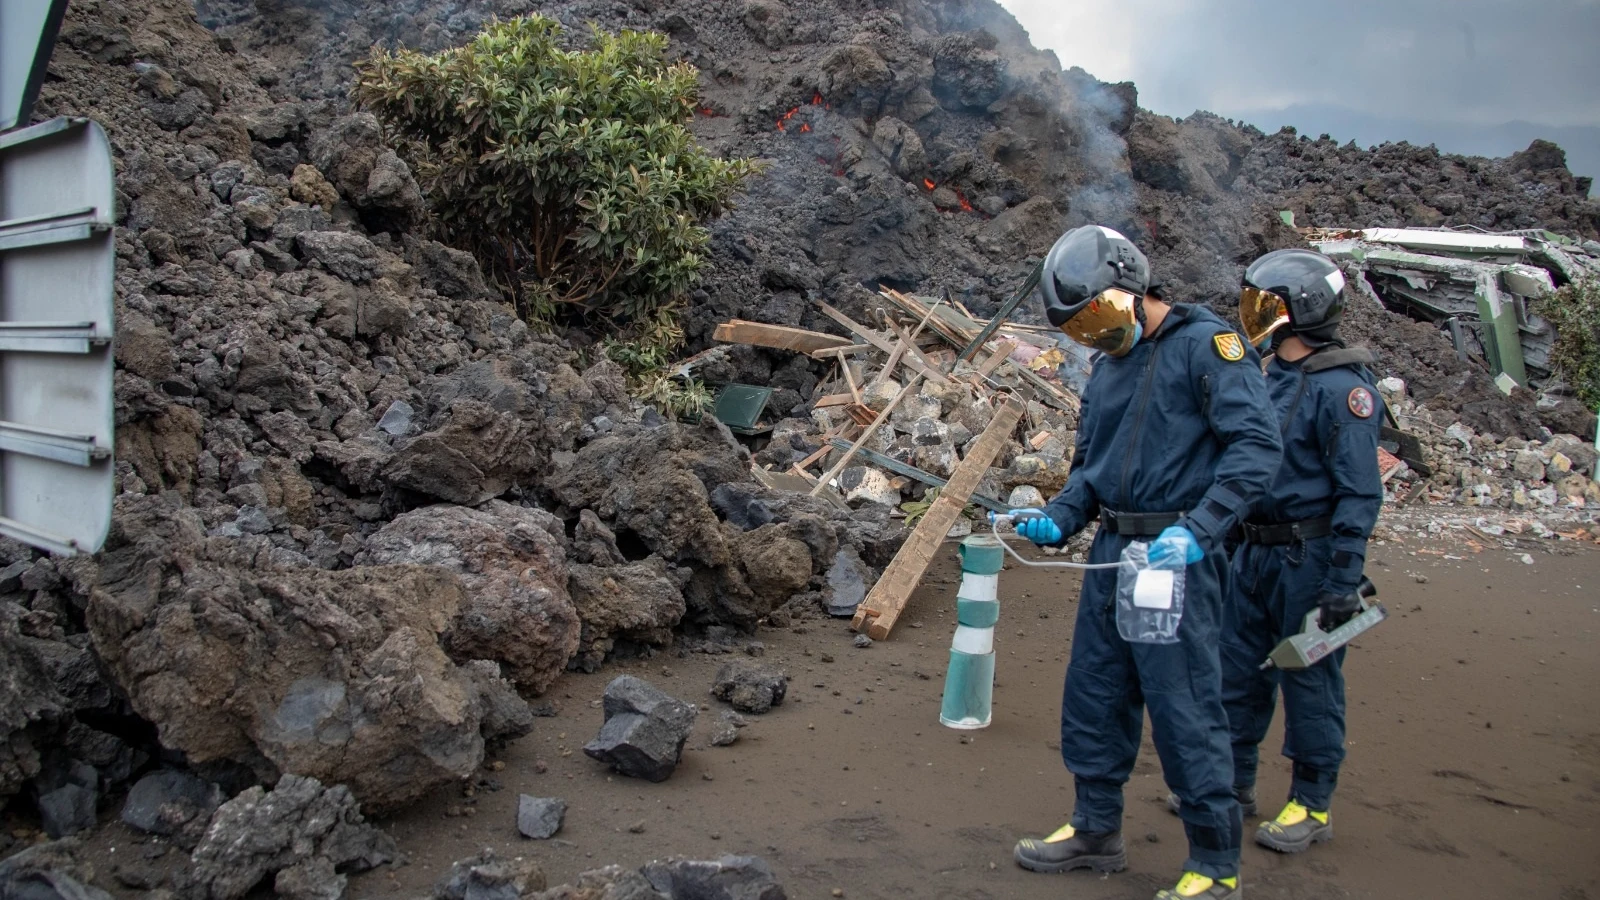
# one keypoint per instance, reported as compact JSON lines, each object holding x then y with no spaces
{"x":1173,"y":426}
{"x":1330,"y":469}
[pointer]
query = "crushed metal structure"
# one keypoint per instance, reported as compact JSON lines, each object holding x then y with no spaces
{"x":1484,"y":288}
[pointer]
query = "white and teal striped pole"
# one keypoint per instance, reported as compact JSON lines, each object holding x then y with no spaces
{"x":969,"y":682}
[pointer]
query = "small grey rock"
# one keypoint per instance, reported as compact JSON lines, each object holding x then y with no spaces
{"x":540,"y":817}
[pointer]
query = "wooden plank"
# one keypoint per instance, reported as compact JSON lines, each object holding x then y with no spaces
{"x":778,"y":337}
{"x":866,"y":433}
{"x":1039,"y":440}
{"x":836,"y":352}
{"x":879,"y":340}
{"x":922,"y":475}
{"x":1051,"y":392}
{"x":887,"y":372}
{"x":882,"y":607}
{"x":850,"y":380}
{"x":1001,"y":354}
{"x":828,"y":400}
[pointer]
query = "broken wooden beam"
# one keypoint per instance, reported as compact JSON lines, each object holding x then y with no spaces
{"x":1001,"y":354}
{"x":910,"y":471}
{"x":879,"y":340}
{"x":883,"y":604}
{"x":778,"y":337}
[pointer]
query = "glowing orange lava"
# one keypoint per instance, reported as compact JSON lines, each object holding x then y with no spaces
{"x":965,"y":206}
{"x":805,"y":127}
{"x":928,"y":183}
{"x":786,"y":117}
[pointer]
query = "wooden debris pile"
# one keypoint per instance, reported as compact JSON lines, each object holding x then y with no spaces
{"x":927,"y":409}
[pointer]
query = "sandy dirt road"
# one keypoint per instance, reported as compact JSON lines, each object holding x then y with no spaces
{"x":1474,"y":767}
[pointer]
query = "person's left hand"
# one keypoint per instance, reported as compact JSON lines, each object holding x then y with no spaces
{"x":1337,"y":608}
{"x":1174,"y":548}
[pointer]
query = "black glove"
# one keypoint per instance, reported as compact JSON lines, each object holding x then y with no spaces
{"x":1337,"y":608}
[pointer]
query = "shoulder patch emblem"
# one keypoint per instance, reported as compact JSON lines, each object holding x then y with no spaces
{"x":1229,"y":346}
{"x":1361,"y":402}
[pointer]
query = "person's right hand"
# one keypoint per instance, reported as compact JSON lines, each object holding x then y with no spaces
{"x":1034,"y":525}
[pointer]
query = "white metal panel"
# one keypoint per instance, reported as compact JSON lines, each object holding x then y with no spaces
{"x":1458,"y":241}
{"x":27,"y":35}
{"x":57,"y":264}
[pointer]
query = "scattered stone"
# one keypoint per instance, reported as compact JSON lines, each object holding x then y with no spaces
{"x":749,"y":686}
{"x":728,"y":878}
{"x":540,"y":817}
{"x":52,"y":871}
{"x":1026,"y":496}
{"x":644,"y":730}
{"x":847,"y":580}
{"x":298,"y":824}
{"x":490,"y":877}
{"x":172,"y":804}
{"x":67,"y":810}
{"x":397,"y":418}
{"x":861,"y":642}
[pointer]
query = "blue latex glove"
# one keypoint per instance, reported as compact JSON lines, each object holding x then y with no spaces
{"x":1039,"y":528}
{"x":1175,"y":548}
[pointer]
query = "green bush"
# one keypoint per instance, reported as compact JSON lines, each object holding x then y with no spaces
{"x":569,"y":174}
{"x":1575,"y":312}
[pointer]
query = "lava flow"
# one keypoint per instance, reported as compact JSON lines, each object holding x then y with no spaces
{"x":805,"y":127}
{"x":928,"y":183}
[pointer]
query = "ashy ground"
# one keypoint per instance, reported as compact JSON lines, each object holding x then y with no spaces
{"x":1474,"y":768}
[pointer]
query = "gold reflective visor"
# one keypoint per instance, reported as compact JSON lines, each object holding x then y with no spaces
{"x":1108,"y":324}
{"x":1261,"y":313}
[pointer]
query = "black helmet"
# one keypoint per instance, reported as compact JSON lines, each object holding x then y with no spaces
{"x":1094,"y":282}
{"x":1297,"y":288}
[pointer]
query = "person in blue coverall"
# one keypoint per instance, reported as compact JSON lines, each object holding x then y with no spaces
{"x":1176,"y":440}
{"x":1305,"y":542}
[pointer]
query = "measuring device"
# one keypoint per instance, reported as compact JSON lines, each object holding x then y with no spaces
{"x":1312,"y":644}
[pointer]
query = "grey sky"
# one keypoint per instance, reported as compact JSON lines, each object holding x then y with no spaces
{"x":1437,"y":65}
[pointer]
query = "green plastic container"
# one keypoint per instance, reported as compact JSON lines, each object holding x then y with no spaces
{"x":969,"y":681}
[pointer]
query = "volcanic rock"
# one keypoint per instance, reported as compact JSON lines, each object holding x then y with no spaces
{"x":637,"y":602}
{"x":29,"y":705}
{"x":52,"y":871}
{"x":749,"y":686}
{"x":68,"y":810}
{"x":728,"y":878}
{"x":173,"y":804}
{"x":511,"y":560}
{"x":489,"y":877}
{"x":846,"y":583}
{"x":338,"y":675}
{"x":609,"y":883}
{"x":540,"y":817}
{"x":644,"y":730}
{"x":299,"y":827}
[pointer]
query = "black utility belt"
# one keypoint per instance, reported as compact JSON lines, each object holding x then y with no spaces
{"x":1137,"y":524}
{"x":1275,"y":533}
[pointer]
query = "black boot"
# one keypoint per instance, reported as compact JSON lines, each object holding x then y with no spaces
{"x":1068,"y":849}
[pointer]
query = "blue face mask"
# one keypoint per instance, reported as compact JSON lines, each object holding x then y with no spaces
{"x":1265,"y":344}
{"x":1138,"y":332}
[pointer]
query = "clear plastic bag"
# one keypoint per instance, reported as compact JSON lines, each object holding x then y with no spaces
{"x":1149,"y":601}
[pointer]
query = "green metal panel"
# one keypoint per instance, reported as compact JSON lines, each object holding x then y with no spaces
{"x":1501,"y":338}
{"x":739,"y":406}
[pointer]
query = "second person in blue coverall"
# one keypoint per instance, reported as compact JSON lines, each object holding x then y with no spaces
{"x":1304,"y":545}
{"x":1175,"y":443}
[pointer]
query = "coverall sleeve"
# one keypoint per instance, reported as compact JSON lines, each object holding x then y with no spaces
{"x":1238,"y":410}
{"x":1350,"y":451}
{"x":1076,"y":504}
